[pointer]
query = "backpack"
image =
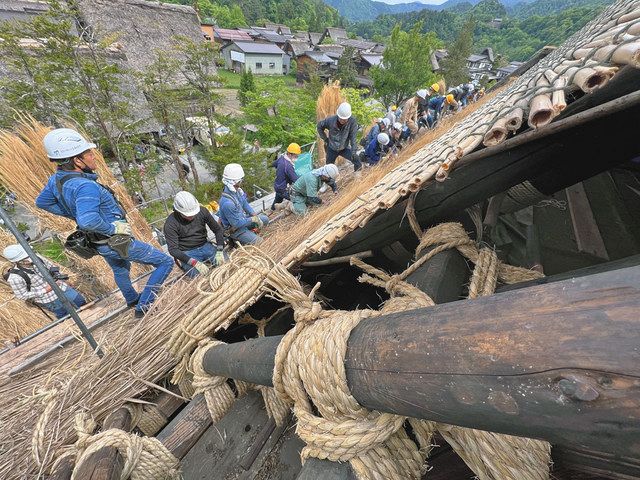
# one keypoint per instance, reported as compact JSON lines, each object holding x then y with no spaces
{"x":21,"y":273}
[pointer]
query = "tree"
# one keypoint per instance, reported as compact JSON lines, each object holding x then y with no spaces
{"x":63,"y":71}
{"x":282,"y":114}
{"x":346,"y":71}
{"x":455,"y":65}
{"x":406,"y":65}
{"x":247,"y":86}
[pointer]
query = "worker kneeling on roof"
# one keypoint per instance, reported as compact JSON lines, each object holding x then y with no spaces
{"x":285,"y":175}
{"x":238,"y":218}
{"x":185,"y":231}
{"x":74,"y":192}
{"x":29,"y":285}
{"x":305,"y":190}
{"x":377,"y":148}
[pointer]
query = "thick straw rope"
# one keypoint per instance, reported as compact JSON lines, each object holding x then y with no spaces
{"x":148,"y":418}
{"x":145,"y":458}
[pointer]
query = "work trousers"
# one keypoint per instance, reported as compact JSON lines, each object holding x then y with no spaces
{"x":58,"y":308}
{"x":144,"y":253}
{"x":203,"y":253}
{"x":346,"y":153}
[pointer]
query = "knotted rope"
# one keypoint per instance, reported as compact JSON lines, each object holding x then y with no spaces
{"x":145,"y":458}
{"x":148,"y":418}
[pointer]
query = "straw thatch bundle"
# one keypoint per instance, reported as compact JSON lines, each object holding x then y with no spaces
{"x":25,"y":168}
{"x":328,"y":101}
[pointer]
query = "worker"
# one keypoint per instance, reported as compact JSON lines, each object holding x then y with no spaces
{"x":29,"y":285}
{"x":438,"y":106}
{"x":392,"y":114}
{"x":74,"y":192}
{"x":433,"y":90}
{"x":238,"y":218}
{"x":410,"y":110}
{"x":381,"y":126}
{"x":185,"y":231}
{"x":285,"y":175}
{"x":340,"y":141}
{"x":377,"y":148}
{"x":305,"y":191}
{"x":467,"y":90}
{"x":399,"y":133}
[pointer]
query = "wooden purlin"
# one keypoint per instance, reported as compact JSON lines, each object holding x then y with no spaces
{"x":619,"y":24}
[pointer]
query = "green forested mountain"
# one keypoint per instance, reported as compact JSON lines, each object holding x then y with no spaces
{"x":312,"y":15}
{"x":521,"y":34}
{"x":358,"y":10}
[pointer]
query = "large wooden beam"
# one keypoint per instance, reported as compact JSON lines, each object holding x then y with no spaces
{"x":554,"y":157}
{"x":184,"y":431}
{"x":557,"y":362}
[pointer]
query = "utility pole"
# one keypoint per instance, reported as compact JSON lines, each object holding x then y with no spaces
{"x":44,"y":271}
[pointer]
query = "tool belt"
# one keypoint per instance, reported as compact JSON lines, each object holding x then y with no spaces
{"x":84,"y":243}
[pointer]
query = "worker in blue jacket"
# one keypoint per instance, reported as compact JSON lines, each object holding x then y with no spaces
{"x":377,"y":148}
{"x":74,"y":192}
{"x":285,"y":174}
{"x":238,"y":218}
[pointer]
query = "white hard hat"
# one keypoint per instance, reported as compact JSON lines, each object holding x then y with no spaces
{"x":332,"y":170}
{"x":397,"y":126}
{"x":344,"y":111}
{"x":186,"y":204}
{"x":14,"y":253}
{"x":386,"y":122}
{"x":383,"y":138}
{"x":233,"y":172}
{"x":422,"y":93}
{"x":64,"y":143}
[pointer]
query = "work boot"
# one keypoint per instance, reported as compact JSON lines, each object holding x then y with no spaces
{"x":134,"y":303}
{"x":139,"y":314}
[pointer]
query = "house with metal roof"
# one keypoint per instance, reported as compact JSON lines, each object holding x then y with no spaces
{"x":260,"y":58}
{"x":222,"y":36}
{"x":364,"y":62}
{"x":21,"y":9}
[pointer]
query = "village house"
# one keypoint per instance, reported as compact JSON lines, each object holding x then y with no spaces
{"x":481,"y":65}
{"x":312,"y":62}
{"x":260,"y":58}
{"x":21,"y":9}
{"x":222,"y":36}
{"x":333,"y":34}
{"x":504,"y":72}
{"x":278,"y":28}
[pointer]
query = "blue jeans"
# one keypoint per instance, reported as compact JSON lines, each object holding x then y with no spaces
{"x":139,"y":252}
{"x":203,"y":253}
{"x":346,"y":153}
{"x":57,"y":307}
{"x":249,"y":237}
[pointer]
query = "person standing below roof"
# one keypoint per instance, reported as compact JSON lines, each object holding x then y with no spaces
{"x":285,"y":174}
{"x":305,"y":190}
{"x":74,"y":192}
{"x":377,"y":148}
{"x":29,"y":285}
{"x":340,"y":141}
{"x":185,"y":231}
{"x":410,"y":110}
{"x":238,"y":218}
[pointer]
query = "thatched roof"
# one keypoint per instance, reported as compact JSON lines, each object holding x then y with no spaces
{"x":314,"y":38}
{"x":142,"y":27}
{"x":361,"y":45}
{"x":21,"y":9}
{"x":296,"y":48}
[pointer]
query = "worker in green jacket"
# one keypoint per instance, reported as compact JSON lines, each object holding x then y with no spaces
{"x":305,"y":189}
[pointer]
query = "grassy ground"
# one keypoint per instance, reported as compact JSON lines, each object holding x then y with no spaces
{"x":51,"y":249}
{"x":232,"y":79}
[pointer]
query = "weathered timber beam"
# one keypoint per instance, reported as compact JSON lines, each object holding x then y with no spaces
{"x":106,"y":463}
{"x":562,"y":154}
{"x":557,"y":362}
{"x":183,"y":432}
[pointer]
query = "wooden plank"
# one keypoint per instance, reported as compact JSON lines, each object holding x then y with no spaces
{"x":314,"y":468}
{"x":585,"y":227}
{"x":188,"y":426}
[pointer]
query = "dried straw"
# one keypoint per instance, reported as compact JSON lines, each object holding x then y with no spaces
{"x":327,"y":104}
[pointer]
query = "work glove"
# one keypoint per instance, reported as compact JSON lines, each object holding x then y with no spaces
{"x":257,"y":221}
{"x":122,"y":228}
{"x":219,"y":258}
{"x":199,"y":266}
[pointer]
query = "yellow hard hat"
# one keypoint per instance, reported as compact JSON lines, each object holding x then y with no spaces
{"x":294,"y":148}
{"x":450,"y":98}
{"x":394,"y":108}
{"x":435,"y":87}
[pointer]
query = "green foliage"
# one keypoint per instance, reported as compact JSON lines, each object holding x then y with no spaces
{"x":455,"y":65}
{"x":487,"y":10}
{"x":206,"y":192}
{"x":51,"y":249}
{"x":357,"y":10}
{"x":406,"y":64}
{"x":256,"y":170}
{"x":312,"y":15}
{"x":247,"y":86}
{"x":155,"y":211}
{"x":282,"y":114}
{"x":346,"y":71}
